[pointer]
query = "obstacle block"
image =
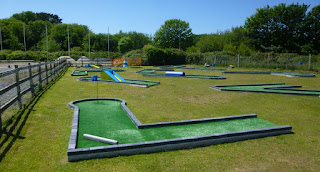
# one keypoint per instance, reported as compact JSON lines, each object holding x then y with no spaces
{"x":94,"y":78}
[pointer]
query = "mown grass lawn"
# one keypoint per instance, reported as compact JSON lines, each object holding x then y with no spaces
{"x":39,"y":139}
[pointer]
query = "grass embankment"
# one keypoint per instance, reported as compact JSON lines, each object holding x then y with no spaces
{"x":39,"y":140}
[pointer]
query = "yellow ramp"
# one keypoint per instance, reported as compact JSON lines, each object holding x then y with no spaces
{"x":95,"y":66}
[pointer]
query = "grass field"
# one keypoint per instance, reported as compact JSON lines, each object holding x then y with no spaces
{"x":37,"y":139}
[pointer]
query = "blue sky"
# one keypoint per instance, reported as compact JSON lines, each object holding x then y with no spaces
{"x":146,"y":16}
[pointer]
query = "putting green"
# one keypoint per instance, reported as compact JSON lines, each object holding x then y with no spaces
{"x":186,"y":76}
{"x":106,"y":118}
{"x":79,"y":73}
{"x":268,"y":88}
{"x":127,"y":81}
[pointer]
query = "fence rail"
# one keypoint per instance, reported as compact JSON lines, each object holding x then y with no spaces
{"x":17,"y":83}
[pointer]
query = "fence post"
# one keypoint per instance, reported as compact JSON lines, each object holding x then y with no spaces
{"x":40,"y":79}
{"x":31,"y":80}
{"x":309,"y":61}
{"x":1,"y":131}
{"x":18,"y":86}
{"x":46,"y":68}
{"x":238,"y":60}
{"x":50,"y":70}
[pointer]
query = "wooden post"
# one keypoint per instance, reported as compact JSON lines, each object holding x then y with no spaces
{"x":46,"y":68}
{"x":51,"y":74}
{"x":39,"y":74}
{"x":1,"y":130}
{"x":31,"y":79}
{"x":18,"y":86}
{"x":238,"y":60}
{"x":309,"y":61}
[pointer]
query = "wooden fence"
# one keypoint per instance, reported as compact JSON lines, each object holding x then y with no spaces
{"x":16,"y":83}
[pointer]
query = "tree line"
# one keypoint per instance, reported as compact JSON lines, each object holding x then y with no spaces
{"x":292,"y":28}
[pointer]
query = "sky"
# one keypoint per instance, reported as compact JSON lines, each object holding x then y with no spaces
{"x":146,"y":16}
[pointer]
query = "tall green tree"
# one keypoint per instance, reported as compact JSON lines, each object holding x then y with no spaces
{"x":172,"y":32}
{"x":313,"y":24}
{"x":279,"y":28}
{"x":125,"y":44}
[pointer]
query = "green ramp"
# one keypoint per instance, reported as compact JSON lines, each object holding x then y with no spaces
{"x":110,"y":118}
{"x":279,"y":88}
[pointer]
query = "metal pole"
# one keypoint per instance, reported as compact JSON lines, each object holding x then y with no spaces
{"x":238,"y":60}
{"x":309,"y":61}
{"x":47,"y":42}
{"x":1,"y":43}
{"x":24,"y":40}
{"x":68,"y":41}
{"x":108,"y":43}
{"x":89,"y":46}
{"x":179,"y":33}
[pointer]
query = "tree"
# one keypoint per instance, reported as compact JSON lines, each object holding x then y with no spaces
{"x":279,"y":28}
{"x":172,"y":33}
{"x":25,"y":16}
{"x":125,"y":44}
{"x":54,"y":19}
{"x":313,"y":23}
{"x":210,"y":43}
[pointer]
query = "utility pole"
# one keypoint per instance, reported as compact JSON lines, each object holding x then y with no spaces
{"x":89,"y":46}
{"x":1,"y":44}
{"x":68,"y":41}
{"x":179,"y":33}
{"x":108,"y":43}
{"x":24,"y":40}
{"x":47,"y":42}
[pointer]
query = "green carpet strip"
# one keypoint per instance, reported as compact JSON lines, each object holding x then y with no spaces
{"x":186,"y":76}
{"x":280,"y":88}
{"x":131,"y":82}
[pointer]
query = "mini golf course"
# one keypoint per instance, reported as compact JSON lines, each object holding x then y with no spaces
{"x":85,"y":72}
{"x":246,"y":72}
{"x":110,"y":118}
{"x":288,"y":74}
{"x":279,"y":88}
{"x":79,"y":73}
{"x":171,"y":66}
{"x":182,"y":75}
{"x":204,"y":69}
{"x":131,"y":82}
{"x":153,"y":70}
{"x":293,"y":74}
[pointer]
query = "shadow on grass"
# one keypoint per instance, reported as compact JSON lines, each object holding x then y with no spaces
{"x":23,"y":115}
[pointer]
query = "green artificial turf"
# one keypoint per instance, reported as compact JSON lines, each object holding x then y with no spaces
{"x":261,"y":88}
{"x":106,"y":118}
{"x":186,"y":76}
{"x":147,"y":71}
{"x":149,"y":83}
{"x":79,"y":73}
